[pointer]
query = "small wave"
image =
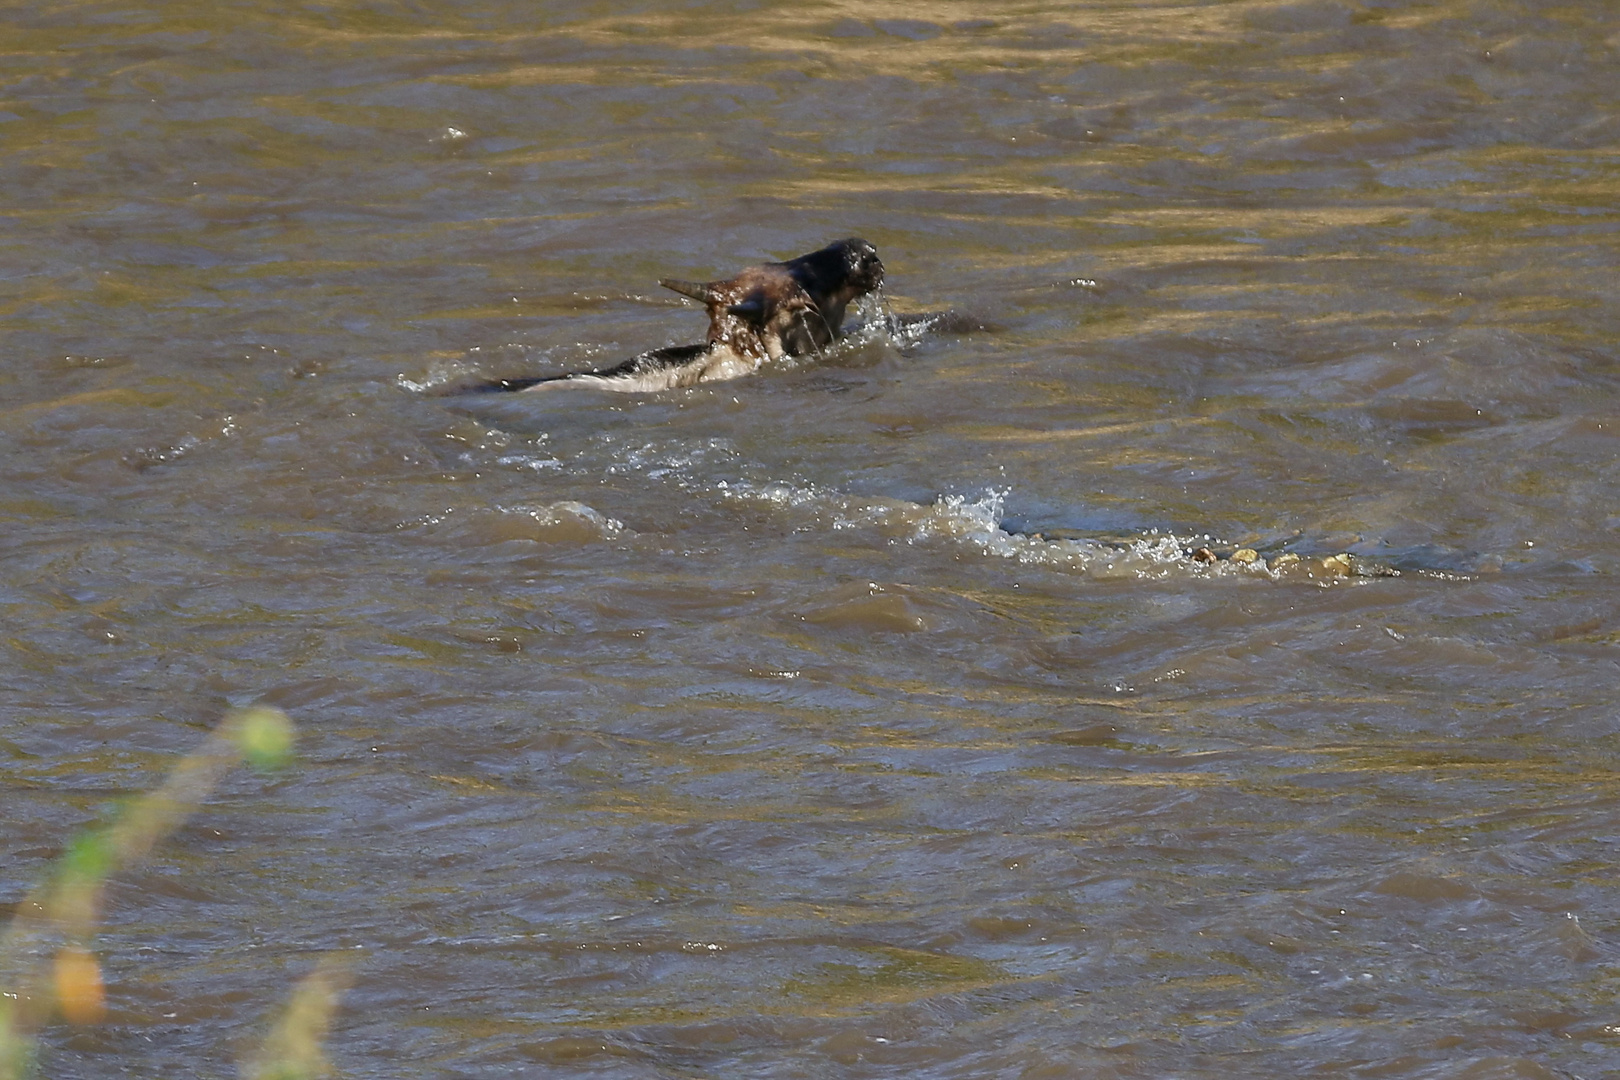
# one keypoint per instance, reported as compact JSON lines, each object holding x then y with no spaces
{"x":564,"y":522}
{"x":430,"y":381}
{"x":976,"y":522}
{"x":674,"y":459}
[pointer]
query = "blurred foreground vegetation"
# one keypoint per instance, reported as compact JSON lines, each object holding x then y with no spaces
{"x":49,"y":972}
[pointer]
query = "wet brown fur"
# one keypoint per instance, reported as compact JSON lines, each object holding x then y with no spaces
{"x":766,"y":312}
{"x":787,"y":308}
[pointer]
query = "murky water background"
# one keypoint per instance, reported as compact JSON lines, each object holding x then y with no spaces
{"x":865,"y":718}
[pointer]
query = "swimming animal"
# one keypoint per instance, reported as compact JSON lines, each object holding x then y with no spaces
{"x":764,"y":313}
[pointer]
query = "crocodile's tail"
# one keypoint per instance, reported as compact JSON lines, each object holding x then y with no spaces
{"x":660,"y":369}
{"x":506,"y":386}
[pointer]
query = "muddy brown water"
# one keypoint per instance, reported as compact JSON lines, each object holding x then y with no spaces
{"x":867,"y":717}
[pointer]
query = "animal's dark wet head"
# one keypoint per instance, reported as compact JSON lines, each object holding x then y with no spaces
{"x":838,"y":273}
{"x":862,"y":266}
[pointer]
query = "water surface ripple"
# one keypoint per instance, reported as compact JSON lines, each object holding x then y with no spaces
{"x":867,"y":717}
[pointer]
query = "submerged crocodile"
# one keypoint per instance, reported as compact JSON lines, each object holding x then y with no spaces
{"x":764,"y":313}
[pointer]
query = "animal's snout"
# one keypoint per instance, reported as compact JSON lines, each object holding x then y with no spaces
{"x":865,"y":268}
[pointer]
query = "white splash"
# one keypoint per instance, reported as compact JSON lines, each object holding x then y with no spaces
{"x":976,"y":523}
{"x":562,"y":522}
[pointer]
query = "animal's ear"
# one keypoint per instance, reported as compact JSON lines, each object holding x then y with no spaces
{"x":753,"y":310}
{"x":701,"y":293}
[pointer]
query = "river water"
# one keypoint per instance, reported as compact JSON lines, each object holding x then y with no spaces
{"x":867,"y":717}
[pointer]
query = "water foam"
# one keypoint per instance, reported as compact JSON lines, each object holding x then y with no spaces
{"x":562,"y":522}
{"x":975,"y":522}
